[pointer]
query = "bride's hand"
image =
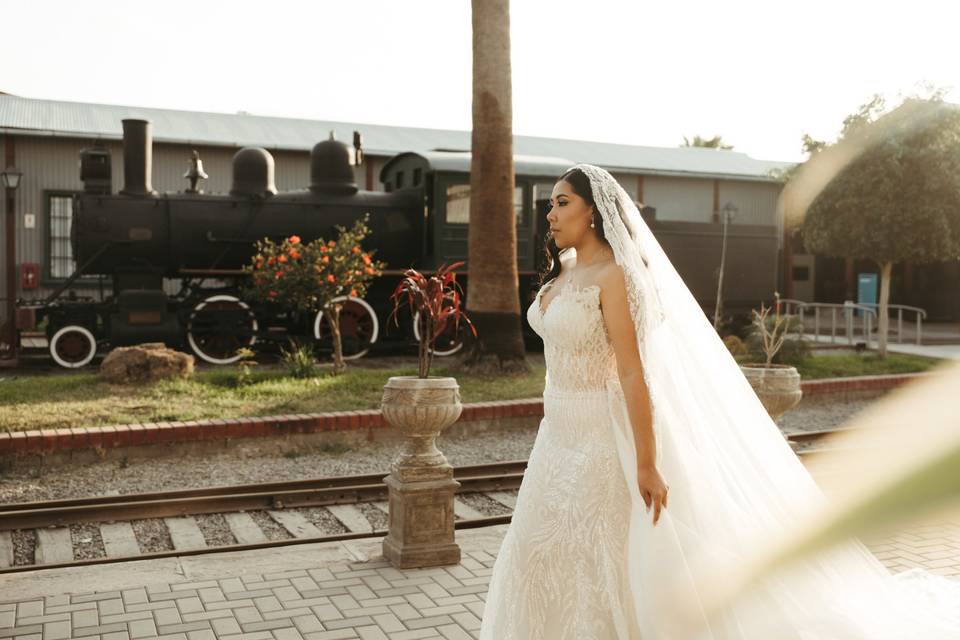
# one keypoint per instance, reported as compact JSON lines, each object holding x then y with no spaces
{"x":653,"y":490}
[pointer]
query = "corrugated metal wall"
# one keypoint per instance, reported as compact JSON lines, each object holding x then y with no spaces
{"x":756,"y":201}
{"x":51,"y":164}
{"x":679,"y":199}
{"x":691,"y":200}
{"x":3,"y":235}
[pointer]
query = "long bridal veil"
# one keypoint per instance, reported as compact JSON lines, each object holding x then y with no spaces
{"x":733,"y":478}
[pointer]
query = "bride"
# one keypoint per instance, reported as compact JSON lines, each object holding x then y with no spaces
{"x":655,"y":457}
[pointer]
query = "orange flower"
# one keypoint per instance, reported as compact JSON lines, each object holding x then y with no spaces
{"x":323,"y":249}
{"x":370,"y":270}
{"x":294,"y":254}
{"x":278,"y":275}
{"x":325,"y":259}
{"x":353,"y":292}
{"x":366,"y":259}
{"x":294,"y":239}
{"x":270,"y":260}
{"x":281,"y":258}
{"x":331,"y":244}
{"x":356,"y":249}
{"x":330,"y":278}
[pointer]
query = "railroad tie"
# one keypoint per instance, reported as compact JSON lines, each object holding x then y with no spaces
{"x":54,"y":546}
{"x":185,"y":533}
{"x":351,"y":517}
{"x":244,"y":528}
{"x":383,"y":505}
{"x":119,"y":540}
{"x":6,"y":549}
{"x":296,"y":524}
{"x":462,"y":510}
{"x":505,"y":498}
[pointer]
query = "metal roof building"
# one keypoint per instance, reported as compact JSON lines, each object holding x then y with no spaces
{"x":43,"y":138}
{"x":29,"y":116}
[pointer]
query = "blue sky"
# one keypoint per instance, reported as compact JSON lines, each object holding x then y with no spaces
{"x":759,"y":73}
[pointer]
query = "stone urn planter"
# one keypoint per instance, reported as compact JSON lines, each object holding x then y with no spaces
{"x":421,"y":485}
{"x":777,"y":386}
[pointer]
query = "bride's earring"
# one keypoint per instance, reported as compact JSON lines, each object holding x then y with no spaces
{"x":592,"y":226}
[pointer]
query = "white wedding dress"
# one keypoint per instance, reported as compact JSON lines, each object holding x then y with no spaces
{"x":579,"y":563}
{"x":561,"y":570}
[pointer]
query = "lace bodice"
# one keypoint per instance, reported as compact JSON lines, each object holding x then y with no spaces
{"x":576,"y":347}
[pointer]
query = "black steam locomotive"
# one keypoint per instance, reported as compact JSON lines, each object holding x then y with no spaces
{"x":137,"y":238}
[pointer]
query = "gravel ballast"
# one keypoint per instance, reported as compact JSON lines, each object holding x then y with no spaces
{"x":236,"y":467}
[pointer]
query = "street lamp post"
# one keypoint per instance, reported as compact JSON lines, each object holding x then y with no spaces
{"x":11,"y":180}
{"x":728,"y":212}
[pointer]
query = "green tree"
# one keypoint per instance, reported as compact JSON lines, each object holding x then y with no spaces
{"x":311,"y":276}
{"x":716,"y":142}
{"x":893,"y":193}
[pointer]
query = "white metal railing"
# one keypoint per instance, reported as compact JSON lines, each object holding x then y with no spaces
{"x":921,"y":314}
{"x":870,"y":312}
{"x":845,"y":310}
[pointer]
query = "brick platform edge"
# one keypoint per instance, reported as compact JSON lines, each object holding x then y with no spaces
{"x":76,"y":438}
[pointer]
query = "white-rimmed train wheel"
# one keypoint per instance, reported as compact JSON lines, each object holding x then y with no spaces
{"x":73,"y":346}
{"x":446,"y":343}
{"x":359,"y":327}
{"x":219,"y":326}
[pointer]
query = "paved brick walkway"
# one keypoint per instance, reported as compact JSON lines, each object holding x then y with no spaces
{"x":317,"y":591}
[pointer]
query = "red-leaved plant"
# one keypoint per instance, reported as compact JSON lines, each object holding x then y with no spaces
{"x":437,"y":299}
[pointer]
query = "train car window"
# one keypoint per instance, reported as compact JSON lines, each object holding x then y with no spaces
{"x":417,"y":176}
{"x":399,"y":179}
{"x":458,"y":204}
{"x":541,"y":197}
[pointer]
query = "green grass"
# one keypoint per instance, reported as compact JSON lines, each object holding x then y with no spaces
{"x":82,"y":399}
{"x":855,"y":364}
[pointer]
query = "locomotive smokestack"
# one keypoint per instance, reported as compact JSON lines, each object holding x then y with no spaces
{"x":137,"y":157}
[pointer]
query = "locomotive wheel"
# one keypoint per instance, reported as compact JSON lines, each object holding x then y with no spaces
{"x":359,"y":327}
{"x":73,"y":346}
{"x":446,"y":343}
{"x":219,"y":326}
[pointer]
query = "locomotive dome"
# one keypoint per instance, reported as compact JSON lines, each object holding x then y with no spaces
{"x":331,"y":168}
{"x":253,"y":170}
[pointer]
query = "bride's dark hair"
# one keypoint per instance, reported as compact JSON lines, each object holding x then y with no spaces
{"x":580,"y":184}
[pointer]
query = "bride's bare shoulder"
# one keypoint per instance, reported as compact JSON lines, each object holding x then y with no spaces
{"x":612,"y":281}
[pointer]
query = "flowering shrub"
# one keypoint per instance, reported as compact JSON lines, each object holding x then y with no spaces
{"x":437,"y":299}
{"x":308,"y":276}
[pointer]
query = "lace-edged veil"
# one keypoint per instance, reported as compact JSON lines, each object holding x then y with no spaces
{"x":732,"y":475}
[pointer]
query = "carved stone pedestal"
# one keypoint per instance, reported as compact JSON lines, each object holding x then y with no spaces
{"x":421,"y":485}
{"x":421,"y":521}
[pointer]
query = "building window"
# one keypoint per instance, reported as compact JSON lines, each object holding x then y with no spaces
{"x":458,"y":203}
{"x":60,"y":256}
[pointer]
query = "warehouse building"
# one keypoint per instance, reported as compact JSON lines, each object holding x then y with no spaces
{"x":43,"y":140}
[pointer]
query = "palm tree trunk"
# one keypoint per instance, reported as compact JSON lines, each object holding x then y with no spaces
{"x":493,"y":302}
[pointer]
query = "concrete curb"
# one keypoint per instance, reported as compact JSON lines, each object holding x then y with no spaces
{"x":128,"y":435}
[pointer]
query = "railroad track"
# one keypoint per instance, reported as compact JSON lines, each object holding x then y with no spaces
{"x":117,"y":528}
{"x":106,"y":529}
